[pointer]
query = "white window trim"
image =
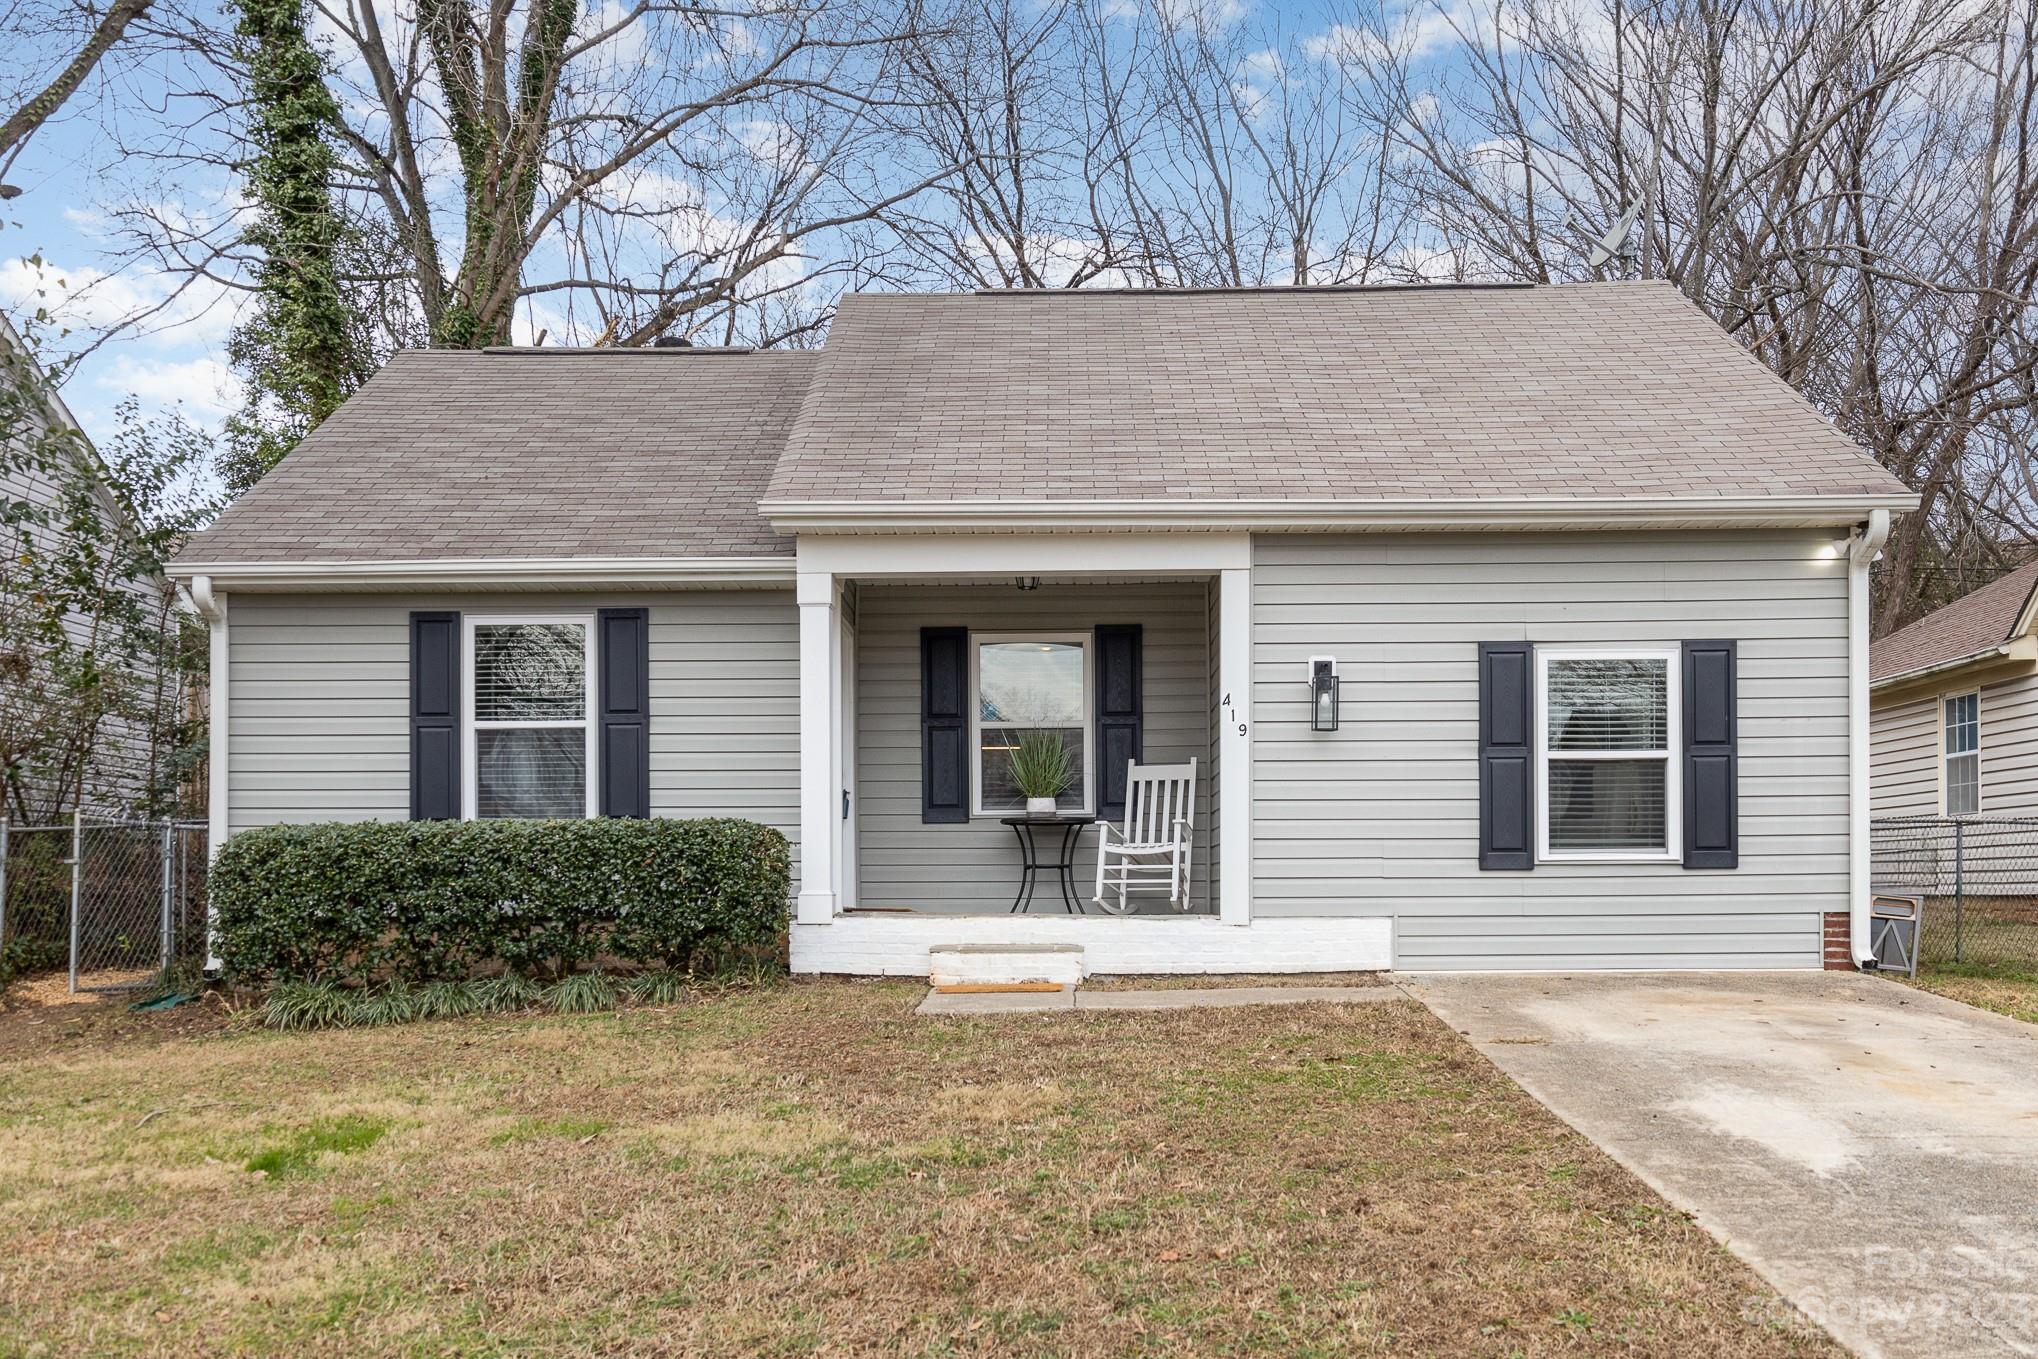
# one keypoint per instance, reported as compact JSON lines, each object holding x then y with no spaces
{"x":470,"y":796}
{"x":977,"y":640}
{"x":1672,"y":755}
{"x":1945,"y":757}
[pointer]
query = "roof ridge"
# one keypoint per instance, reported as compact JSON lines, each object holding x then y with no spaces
{"x":1205,"y":290}
{"x":586,"y":351}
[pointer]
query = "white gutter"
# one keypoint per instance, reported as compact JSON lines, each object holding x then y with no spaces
{"x":2007,"y":651}
{"x":492,"y":572}
{"x":1862,"y":549}
{"x":789,"y":516}
{"x":212,"y":608}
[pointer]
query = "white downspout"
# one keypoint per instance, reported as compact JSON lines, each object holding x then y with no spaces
{"x":212,"y":608}
{"x":1862,"y":549}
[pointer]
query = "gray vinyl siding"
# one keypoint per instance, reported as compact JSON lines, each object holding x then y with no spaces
{"x":1381,"y":817}
{"x":974,"y":866}
{"x":118,"y":776}
{"x":1904,"y":757}
{"x":320,"y":720}
{"x":1906,"y":733}
{"x":2009,"y":747}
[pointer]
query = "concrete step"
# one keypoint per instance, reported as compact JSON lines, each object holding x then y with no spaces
{"x":986,"y":965}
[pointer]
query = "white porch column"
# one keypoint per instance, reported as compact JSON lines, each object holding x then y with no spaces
{"x":1235,"y":746}
{"x":820,"y":747}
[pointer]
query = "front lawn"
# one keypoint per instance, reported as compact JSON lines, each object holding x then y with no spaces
{"x":809,"y":1169}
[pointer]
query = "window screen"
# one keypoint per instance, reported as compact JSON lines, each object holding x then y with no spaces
{"x":530,"y":719}
{"x":1607,"y":738}
{"x":1963,"y":755}
{"x":1026,"y":685}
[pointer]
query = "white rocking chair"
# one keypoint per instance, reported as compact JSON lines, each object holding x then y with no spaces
{"x":1150,"y":853}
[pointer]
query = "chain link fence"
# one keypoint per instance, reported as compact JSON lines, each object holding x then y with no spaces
{"x":1978,"y":877}
{"x":116,"y":904}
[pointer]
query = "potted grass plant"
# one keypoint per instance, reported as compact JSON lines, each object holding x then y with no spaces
{"x":1042,"y":770}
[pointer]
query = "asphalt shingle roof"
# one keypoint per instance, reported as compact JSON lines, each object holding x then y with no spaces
{"x":1286,"y":393}
{"x":557,"y":453}
{"x":1600,"y":390}
{"x":1972,"y":624}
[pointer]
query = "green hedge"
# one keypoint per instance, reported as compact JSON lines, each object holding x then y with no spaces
{"x":427,"y":901}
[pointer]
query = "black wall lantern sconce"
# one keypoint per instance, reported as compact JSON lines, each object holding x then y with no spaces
{"x":1323,"y":693}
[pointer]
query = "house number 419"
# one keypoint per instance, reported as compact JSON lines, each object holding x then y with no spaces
{"x":1231,"y":715}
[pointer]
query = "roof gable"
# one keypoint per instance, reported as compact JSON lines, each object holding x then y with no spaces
{"x":457,"y":454}
{"x":1257,"y":406}
{"x":1356,"y":394}
{"x":1971,"y":626}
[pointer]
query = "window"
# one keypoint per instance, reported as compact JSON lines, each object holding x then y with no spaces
{"x":530,"y":744}
{"x":1026,"y":684}
{"x":1607,"y":756}
{"x":1963,"y":754}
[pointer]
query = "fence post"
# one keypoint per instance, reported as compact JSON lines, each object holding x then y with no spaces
{"x":1959,"y":890}
{"x":77,"y":882}
{"x":3,"y":882}
{"x":168,"y":857}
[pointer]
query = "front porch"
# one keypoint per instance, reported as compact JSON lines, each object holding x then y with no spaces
{"x":902,"y":792}
{"x":945,"y":849}
{"x":903,"y":847}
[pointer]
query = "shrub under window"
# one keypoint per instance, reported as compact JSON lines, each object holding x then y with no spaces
{"x":426,"y":901}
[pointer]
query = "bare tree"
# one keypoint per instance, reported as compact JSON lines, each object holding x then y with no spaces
{"x":609,"y":173}
{"x":36,"y":106}
{"x":1158,"y":143}
{"x":1848,"y":189}
{"x":1036,"y":107}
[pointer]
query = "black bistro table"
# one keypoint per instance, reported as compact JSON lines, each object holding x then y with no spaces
{"x":1027,"y":828}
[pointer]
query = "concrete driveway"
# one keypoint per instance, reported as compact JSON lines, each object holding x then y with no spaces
{"x":1870,"y":1149}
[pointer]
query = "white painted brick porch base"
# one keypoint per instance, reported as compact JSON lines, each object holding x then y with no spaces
{"x":898,"y":945}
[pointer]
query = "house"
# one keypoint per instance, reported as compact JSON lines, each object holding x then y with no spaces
{"x":1954,"y":707}
{"x":1590,"y":583}
{"x":107,"y":767}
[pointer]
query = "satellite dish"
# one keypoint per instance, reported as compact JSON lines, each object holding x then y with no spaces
{"x":1617,"y":241}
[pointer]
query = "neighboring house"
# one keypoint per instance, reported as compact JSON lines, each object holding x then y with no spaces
{"x":1955,"y":706}
{"x":118,"y":775}
{"x":1593,"y":578}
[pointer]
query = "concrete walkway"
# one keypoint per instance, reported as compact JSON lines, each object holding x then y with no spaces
{"x":1187,"y":998}
{"x":1870,"y":1149}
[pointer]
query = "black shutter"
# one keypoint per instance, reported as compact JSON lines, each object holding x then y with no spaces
{"x":624,"y":655}
{"x":1507,"y":764}
{"x":1712,"y":835}
{"x":435,"y":717}
{"x":1120,"y":713}
{"x":944,"y":725}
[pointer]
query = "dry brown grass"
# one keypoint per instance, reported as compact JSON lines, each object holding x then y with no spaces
{"x":2015,"y":996}
{"x":812,"y":1170}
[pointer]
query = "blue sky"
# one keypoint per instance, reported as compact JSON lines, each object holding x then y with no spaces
{"x":59,"y":251}
{"x":60,"y":246}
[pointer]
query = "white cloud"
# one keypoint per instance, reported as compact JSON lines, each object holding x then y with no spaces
{"x":1345,"y":44}
{"x":206,"y":390}
{"x":773,"y":143}
{"x":88,"y":299}
{"x":1416,"y":32}
{"x":1209,"y":14}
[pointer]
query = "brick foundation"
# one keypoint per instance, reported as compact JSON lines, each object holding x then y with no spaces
{"x":1839,"y":944}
